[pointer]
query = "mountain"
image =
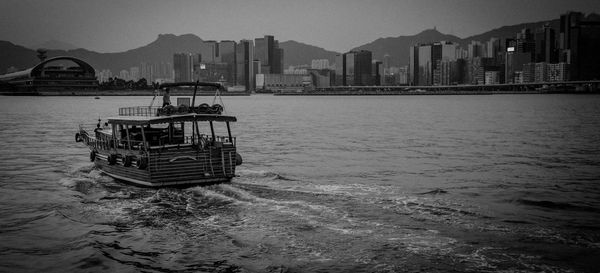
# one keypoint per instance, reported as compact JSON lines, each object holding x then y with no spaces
{"x":296,"y":53}
{"x":54,"y":44}
{"x":12,"y":55}
{"x":161,"y":50}
{"x":510,"y":31}
{"x":398,"y":47}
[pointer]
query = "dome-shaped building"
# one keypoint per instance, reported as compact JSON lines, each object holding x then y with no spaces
{"x":54,"y":74}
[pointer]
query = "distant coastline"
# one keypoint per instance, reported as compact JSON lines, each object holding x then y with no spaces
{"x":93,"y":93}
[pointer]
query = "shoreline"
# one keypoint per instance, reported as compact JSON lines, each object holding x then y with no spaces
{"x":95,"y":93}
{"x":98,"y":93}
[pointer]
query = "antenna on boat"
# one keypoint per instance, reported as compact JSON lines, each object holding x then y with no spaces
{"x":155,"y":85}
{"x":195,"y":90}
{"x":218,"y":93}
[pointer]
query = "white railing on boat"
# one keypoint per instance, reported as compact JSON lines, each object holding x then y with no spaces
{"x":146,"y":111}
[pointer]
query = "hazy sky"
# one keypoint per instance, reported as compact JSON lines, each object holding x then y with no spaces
{"x":338,"y":25}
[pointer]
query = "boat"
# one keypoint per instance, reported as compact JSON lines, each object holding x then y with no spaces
{"x":165,"y":146}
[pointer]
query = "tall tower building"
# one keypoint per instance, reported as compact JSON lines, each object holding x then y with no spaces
{"x":267,"y":51}
{"x":209,"y":52}
{"x":244,"y":66}
{"x":362,"y":68}
{"x":579,"y":43}
{"x":413,"y":65}
{"x":227,"y":54}
{"x":183,"y":65}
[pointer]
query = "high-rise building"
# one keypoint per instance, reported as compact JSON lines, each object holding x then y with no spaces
{"x":362,"y":68}
{"x":227,"y":55}
{"x":377,"y":73}
{"x":340,"y":64}
{"x":580,"y":40}
{"x":134,"y":73}
{"x":493,"y":48}
{"x":267,"y":51}
{"x":545,"y":49}
{"x":183,"y":67}
{"x":425,"y":65}
{"x":475,"y":49}
{"x":387,"y":63}
{"x":348,"y":71}
{"x":209,"y":52}
{"x":244,"y":65}
{"x":413,"y":65}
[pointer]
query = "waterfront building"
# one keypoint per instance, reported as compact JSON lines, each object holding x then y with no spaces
{"x":124,"y":75}
{"x":321,"y":78}
{"x":492,"y":77}
{"x":541,"y":72}
{"x":244,"y":64}
{"x":493,"y":48}
{"x":400,"y":77}
{"x":209,"y":52}
{"x":387,"y":63}
{"x":183,"y":67}
{"x":377,"y":73}
{"x":514,"y":61}
{"x":340,"y":64}
{"x":362,"y":68}
{"x":282,"y":82}
{"x":348,"y":71}
{"x":58,"y":73}
{"x":545,"y":41}
{"x":475,"y":49}
{"x":256,"y":69}
{"x":413,"y":65}
{"x":227,"y":55}
{"x":558,"y":72}
{"x":147,"y":71}
{"x":579,"y":43}
{"x":320,"y":64}
{"x":134,"y":73}
{"x":529,"y":72}
{"x":267,"y":51}
{"x":425,"y":66}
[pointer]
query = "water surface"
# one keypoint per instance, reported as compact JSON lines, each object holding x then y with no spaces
{"x":497,"y":183}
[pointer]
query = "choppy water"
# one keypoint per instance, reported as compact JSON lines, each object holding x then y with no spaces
{"x":329,"y":184}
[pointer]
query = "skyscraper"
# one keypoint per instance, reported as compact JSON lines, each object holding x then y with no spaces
{"x":183,"y":67}
{"x":244,"y":66}
{"x":413,"y":65}
{"x":227,"y":55}
{"x":267,"y":51}
{"x":209,"y":52}
{"x":579,"y":43}
{"x":362,"y":68}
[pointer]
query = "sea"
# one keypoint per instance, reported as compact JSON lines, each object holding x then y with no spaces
{"x":457,"y":183}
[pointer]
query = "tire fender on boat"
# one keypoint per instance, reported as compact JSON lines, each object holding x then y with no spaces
{"x":238,"y":159}
{"x":127,"y":160}
{"x":78,"y":137}
{"x":112,"y":159}
{"x":142,"y":163}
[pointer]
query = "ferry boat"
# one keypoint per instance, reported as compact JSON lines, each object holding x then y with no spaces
{"x":165,"y":146}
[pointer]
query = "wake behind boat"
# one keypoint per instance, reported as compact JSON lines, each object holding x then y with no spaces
{"x":165,"y":146}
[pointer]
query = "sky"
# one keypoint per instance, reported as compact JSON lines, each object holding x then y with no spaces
{"x":337,"y":25}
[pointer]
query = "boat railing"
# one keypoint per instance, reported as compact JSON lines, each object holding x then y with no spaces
{"x":145,"y":111}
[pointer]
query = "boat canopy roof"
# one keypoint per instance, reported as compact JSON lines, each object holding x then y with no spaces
{"x":145,"y":120}
{"x":192,"y":84}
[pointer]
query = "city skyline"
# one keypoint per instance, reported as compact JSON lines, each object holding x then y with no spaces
{"x":113,"y":26}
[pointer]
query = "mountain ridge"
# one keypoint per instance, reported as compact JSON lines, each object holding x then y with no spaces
{"x":295,"y":52}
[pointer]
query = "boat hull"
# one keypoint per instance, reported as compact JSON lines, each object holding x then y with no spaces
{"x":183,"y":166}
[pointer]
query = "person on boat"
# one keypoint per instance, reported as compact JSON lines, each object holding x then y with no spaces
{"x":166,"y":98}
